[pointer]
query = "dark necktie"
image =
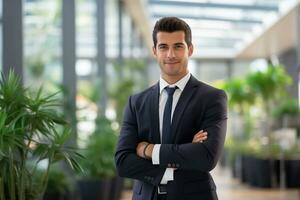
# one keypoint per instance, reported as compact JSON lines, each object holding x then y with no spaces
{"x":166,"y":126}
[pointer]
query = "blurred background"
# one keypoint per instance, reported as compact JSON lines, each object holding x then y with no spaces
{"x":96,"y":53}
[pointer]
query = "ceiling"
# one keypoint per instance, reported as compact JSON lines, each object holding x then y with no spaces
{"x":225,"y":29}
{"x":276,"y":39}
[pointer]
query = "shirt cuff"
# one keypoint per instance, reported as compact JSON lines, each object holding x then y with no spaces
{"x":168,"y":176}
{"x":155,"y":154}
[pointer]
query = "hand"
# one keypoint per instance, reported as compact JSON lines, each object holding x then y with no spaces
{"x":148,"y":151}
{"x":200,"y":137}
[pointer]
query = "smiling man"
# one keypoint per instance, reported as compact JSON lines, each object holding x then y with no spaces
{"x":173,"y":132}
{"x":172,"y":53}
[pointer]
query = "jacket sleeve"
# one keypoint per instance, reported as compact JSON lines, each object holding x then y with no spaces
{"x":127,"y":162}
{"x":201,"y":156}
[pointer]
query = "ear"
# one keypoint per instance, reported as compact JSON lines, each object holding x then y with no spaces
{"x":154,"y":50}
{"x":191,"y":50}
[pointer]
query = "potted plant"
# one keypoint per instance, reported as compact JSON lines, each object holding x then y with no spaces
{"x":287,"y":113}
{"x":261,"y":90}
{"x":270,"y":87}
{"x":291,"y":168}
{"x":32,"y":132}
{"x":96,"y":181}
{"x":241,"y":99}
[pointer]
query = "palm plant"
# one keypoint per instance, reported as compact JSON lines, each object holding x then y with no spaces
{"x":241,"y":98}
{"x":31,"y":131}
{"x":270,"y":87}
{"x":100,"y":151}
{"x":96,"y":182}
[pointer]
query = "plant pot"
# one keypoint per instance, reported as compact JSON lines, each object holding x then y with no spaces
{"x":292,"y":171}
{"x":56,"y":196}
{"x":264,"y":172}
{"x":248,"y":169}
{"x":95,"y":189}
{"x":116,"y":189}
{"x":238,"y":166}
{"x":242,"y":171}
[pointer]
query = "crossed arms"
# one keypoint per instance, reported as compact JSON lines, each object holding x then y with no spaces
{"x":130,"y":161}
{"x":145,"y":149}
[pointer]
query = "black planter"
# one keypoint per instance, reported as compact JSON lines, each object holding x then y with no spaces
{"x":53,"y":197}
{"x":116,"y":189}
{"x":235,"y":167}
{"x":264,"y":172}
{"x":248,"y":169}
{"x":242,"y":172}
{"x":292,"y":171}
{"x":56,"y":197}
{"x":238,"y":167}
{"x":95,"y":189}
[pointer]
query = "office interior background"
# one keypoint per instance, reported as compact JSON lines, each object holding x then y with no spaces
{"x":95,"y":53}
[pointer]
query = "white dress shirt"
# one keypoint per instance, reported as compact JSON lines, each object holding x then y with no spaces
{"x":169,"y":173}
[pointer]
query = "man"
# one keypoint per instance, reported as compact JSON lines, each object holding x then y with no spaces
{"x":173,"y":132}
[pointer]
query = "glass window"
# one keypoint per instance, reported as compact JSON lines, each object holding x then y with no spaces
{"x":42,"y":44}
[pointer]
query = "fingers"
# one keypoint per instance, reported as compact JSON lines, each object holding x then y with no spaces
{"x":200,"y":136}
{"x":200,"y":139}
{"x":201,"y":133}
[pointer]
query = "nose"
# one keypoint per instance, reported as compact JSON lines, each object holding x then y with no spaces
{"x":171,"y":53}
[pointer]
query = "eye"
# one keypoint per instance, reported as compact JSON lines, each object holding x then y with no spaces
{"x":162,"y":47}
{"x":178,"y":46}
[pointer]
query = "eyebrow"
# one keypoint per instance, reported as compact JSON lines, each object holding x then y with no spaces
{"x":164,"y":44}
{"x":179,"y":43}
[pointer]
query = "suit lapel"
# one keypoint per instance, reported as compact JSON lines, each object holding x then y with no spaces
{"x":183,"y":101}
{"x":154,"y":113}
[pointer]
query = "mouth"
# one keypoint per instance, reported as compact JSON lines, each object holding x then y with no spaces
{"x":171,"y":63}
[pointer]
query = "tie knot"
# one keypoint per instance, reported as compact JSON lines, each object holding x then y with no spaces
{"x":170,"y":90}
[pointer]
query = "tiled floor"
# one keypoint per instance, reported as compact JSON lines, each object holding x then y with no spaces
{"x":232,"y":189}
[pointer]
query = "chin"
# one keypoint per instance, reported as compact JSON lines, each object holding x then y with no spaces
{"x":172,"y":73}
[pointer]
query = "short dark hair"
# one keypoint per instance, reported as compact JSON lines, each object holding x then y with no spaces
{"x":172,"y":24}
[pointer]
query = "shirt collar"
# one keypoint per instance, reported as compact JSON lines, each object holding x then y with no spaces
{"x":180,"y":84}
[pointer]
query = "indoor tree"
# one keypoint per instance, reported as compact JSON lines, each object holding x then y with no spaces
{"x":32,"y":134}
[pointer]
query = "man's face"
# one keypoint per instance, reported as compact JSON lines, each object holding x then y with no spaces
{"x":172,"y":53}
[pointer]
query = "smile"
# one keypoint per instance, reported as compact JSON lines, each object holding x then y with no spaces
{"x":171,"y":63}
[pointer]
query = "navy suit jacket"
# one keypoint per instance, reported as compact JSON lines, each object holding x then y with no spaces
{"x":200,"y":107}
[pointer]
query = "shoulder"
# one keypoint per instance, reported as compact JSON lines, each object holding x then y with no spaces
{"x":208,"y":90}
{"x":144,"y":95}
